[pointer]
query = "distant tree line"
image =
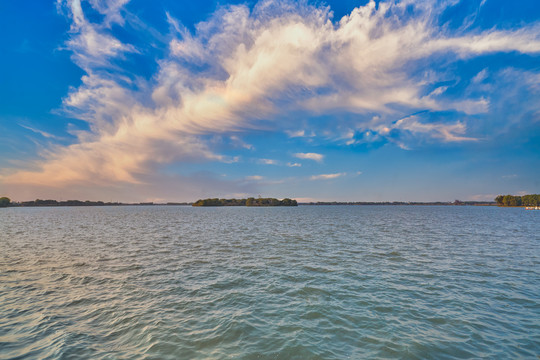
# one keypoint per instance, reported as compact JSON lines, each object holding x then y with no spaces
{"x":246,"y":202}
{"x":456,"y":202}
{"x":512,"y":200}
{"x":39,"y":202}
{"x":5,"y":202}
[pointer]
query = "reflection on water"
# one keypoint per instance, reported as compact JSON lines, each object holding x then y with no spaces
{"x":321,"y":282}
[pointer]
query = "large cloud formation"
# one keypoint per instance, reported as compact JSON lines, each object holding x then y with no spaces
{"x":245,"y":68}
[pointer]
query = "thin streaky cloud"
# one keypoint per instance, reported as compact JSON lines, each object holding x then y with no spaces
{"x":40,"y":132}
{"x":445,"y":132}
{"x":254,"y":178}
{"x":327,"y":176}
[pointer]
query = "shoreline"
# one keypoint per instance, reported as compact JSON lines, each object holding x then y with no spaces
{"x":18,"y":205}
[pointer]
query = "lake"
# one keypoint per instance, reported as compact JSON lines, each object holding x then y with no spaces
{"x":307,"y":282}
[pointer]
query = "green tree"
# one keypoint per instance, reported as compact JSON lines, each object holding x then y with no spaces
{"x":530,"y":200}
{"x":4,"y":201}
{"x":510,"y":200}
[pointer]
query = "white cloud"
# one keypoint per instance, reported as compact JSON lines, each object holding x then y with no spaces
{"x":445,"y":132}
{"x":280,"y":57}
{"x":438,"y":91}
{"x":112,"y":9}
{"x":90,"y":43}
{"x":298,"y":133}
{"x":310,"y":156}
{"x":96,"y":46}
{"x":291,"y":164}
{"x":268,"y":162}
{"x":481,"y":76}
{"x":327,"y":176}
{"x":523,"y":40}
{"x":187,"y":48}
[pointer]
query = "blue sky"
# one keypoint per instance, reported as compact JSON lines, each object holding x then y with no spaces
{"x":341,"y":100}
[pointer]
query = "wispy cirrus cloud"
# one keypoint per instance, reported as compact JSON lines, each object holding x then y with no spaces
{"x":40,"y":132}
{"x":244,"y":67}
{"x":445,"y":132}
{"x":239,"y":142}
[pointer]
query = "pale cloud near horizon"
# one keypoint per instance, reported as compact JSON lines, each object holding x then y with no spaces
{"x":254,"y":178}
{"x":327,"y":176}
{"x":362,"y":62}
{"x":482,"y":197}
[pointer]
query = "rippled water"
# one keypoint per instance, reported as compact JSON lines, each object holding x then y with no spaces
{"x":313,"y":282}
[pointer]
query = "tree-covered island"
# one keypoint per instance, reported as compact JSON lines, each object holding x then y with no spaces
{"x":245,"y":202}
{"x":512,"y":200}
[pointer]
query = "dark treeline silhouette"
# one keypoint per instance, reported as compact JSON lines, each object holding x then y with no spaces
{"x":245,"y":202}
{"x":39,"y":202}
{"x":49,"y":202}
{"x":456,"y":202}
{"x":513,"y":200}
{"x":4,"y":201}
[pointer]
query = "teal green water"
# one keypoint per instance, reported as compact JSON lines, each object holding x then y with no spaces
{"x":313,"y":282}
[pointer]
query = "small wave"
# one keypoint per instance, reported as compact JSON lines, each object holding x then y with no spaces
{"x":317,"y":269}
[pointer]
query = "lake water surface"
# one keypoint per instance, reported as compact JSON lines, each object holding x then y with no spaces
{"x":312,"y":282}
